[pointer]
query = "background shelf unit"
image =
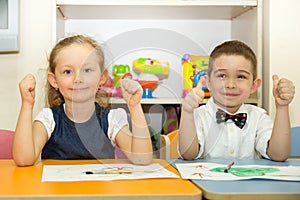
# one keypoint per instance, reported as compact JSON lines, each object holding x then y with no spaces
{"x":163,"y":30}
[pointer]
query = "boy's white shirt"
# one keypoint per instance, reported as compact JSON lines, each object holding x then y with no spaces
{"x":117,"y":119}
{"x":226,"y":140}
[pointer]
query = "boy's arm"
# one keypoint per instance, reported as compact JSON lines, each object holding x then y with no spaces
{"x":188,"y":140}
{"x":280,"y":141}
{"x":136,"y":145}
{"x":24,"y":151}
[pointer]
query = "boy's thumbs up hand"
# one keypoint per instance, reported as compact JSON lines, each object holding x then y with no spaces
{"x":283,"y":91}
{"x":194,"y":97}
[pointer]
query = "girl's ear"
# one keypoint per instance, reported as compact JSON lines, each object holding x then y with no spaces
{"x":255,"y":85}
{"x":104,"y":77}
{"x":51,"y":79}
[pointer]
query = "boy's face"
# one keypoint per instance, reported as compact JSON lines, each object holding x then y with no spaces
{"x":231,"y":81}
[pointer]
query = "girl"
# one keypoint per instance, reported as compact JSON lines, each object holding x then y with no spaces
{"x":75,"y":126}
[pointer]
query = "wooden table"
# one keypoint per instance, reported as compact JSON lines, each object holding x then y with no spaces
{"x":25,"y":183}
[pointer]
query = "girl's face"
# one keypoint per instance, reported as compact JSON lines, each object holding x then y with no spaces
{"x":77,"y":73}
{"x":231,"y":81}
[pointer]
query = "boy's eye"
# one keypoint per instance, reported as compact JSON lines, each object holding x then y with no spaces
{"x":221,"y":75}
{"x":242,"y":77}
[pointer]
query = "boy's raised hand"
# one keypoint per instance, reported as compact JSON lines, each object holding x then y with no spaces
{"x":27,"y":89}
{"x":194,"y":97}
{"x":131,"y":91}
{"x":283,"y":91}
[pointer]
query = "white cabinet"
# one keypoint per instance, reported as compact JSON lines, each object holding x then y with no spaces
{"x":163,"y":30}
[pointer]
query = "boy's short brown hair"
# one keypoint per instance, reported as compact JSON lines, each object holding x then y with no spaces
{"x":233,"y":47}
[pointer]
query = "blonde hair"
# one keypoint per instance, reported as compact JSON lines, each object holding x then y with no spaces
{"x":53,"y":96}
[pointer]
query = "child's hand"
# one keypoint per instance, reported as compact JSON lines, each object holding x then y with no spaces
{"x":283,"y":91}
{"x":194,"y":97}
{"x":27,"y":89}
{"x":131,"y":91}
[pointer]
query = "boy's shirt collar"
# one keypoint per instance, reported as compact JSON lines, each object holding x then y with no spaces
{"x":213,"y":107}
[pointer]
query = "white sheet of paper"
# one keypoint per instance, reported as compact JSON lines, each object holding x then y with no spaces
{"x":62,"y":173}
{"x":202,"y":171}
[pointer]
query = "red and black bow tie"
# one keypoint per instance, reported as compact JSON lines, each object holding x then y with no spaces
{"x":239,"y":119}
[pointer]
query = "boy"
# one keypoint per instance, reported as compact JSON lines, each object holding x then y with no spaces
{"x":213,"y":130}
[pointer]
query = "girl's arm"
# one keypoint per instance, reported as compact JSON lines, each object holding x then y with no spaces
{"x":25,"y":148}
{"x":188,"y":140}
{"x":136,"y":145}
{"x":280,"y":143}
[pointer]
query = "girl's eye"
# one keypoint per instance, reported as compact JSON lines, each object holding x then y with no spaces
{"x":67,"y":71}
{"x":87,"y":70}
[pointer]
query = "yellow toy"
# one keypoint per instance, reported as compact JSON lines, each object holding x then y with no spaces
{"x":193,"y":68}
{"x":147,"y":68}
{"x":151,"y":66}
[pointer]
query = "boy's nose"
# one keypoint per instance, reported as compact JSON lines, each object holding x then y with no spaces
{"x":230,"y":83}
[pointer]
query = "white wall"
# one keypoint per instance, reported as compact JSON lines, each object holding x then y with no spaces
{"x":35,"y":42}
{"x":281,"y":50}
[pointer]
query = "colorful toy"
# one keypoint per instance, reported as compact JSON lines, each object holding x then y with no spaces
{"x":151,"y":66}
{"x":148,"y":67}
{"x":193,"y":68}
{"x":118,"y":72}
{"x":147,"y":86}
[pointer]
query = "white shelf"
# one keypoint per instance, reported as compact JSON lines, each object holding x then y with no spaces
{"x":201,"y":23}
{"x":168,"y":101}
{"x":149,"y":101}
{"x":159,"y":2}
{"x":163,"y":9}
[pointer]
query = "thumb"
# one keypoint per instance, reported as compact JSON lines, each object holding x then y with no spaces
{"x":201,"y":82}
{"x":275,"y":81}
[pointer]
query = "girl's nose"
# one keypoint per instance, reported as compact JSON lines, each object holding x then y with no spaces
{"x":78,"y":78}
